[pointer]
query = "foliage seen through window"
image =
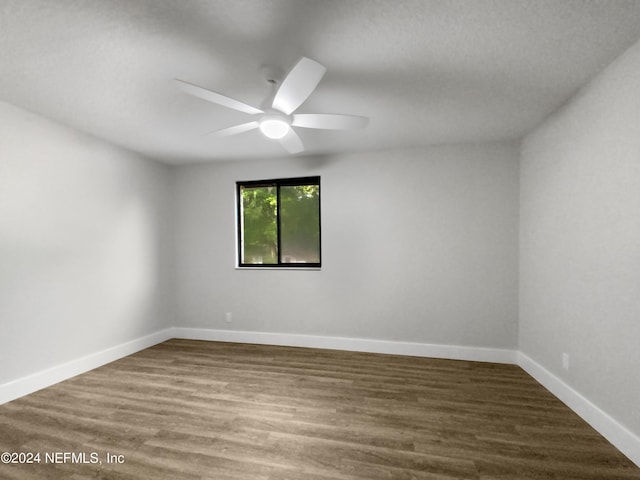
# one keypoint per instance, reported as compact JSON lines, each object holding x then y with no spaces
{"x":279,"y":222}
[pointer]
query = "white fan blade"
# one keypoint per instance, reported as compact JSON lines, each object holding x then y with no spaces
{"x":243,"y":127}
{"x":329,"y":121}
{"x":214,"y":97}
{"x":298,"y":85}
{"x":291,"y":142}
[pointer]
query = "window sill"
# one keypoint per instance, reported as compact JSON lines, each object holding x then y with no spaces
{"x":305,"y":269}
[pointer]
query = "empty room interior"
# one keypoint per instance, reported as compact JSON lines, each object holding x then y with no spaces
{"x":291,"y":239}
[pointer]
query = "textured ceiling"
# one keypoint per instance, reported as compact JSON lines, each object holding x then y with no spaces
{"x":425,"y":72}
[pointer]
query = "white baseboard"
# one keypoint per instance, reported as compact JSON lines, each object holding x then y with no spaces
{"x":622,"y":438}
{"x":45,"y":378}
{"x":619,"y":436}
{"x":452,"y":352}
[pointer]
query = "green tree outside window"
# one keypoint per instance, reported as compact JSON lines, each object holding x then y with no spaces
{"x":279,"y":222}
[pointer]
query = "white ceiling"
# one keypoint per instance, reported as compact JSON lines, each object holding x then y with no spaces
{"x":425,"y":72}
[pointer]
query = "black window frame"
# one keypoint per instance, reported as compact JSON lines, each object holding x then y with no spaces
{"x":277,"y":183}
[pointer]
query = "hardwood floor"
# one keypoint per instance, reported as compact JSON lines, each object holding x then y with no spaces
{"x":207,"y":410}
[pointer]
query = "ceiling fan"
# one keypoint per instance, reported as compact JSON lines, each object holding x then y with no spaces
{"x":277,"y":120}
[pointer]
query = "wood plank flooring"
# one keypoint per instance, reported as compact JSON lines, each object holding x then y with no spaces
{"x":207,"y":410}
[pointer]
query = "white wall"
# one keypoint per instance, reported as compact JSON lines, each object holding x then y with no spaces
{"x":580,"y":242}
{"x":418,"y":245}
{"x":84,"y":244}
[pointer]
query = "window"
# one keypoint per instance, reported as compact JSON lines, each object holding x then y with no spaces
{"x":279,"y":223}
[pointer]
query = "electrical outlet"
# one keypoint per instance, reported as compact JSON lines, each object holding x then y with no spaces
{"x":228,"y":317}
{"x":565,"y":361}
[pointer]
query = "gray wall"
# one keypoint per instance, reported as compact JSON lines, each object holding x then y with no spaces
{"x":418,"y":245}
{"x":85,"y":244}
{"x":580,"y":242}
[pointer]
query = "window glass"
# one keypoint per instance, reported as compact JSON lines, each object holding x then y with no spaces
{"x":259,"y":225}
{"x":300,"y":223}
{"x":279,"y":222}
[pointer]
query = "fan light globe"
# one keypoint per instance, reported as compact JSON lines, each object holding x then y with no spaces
{"x":274,"y":127}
